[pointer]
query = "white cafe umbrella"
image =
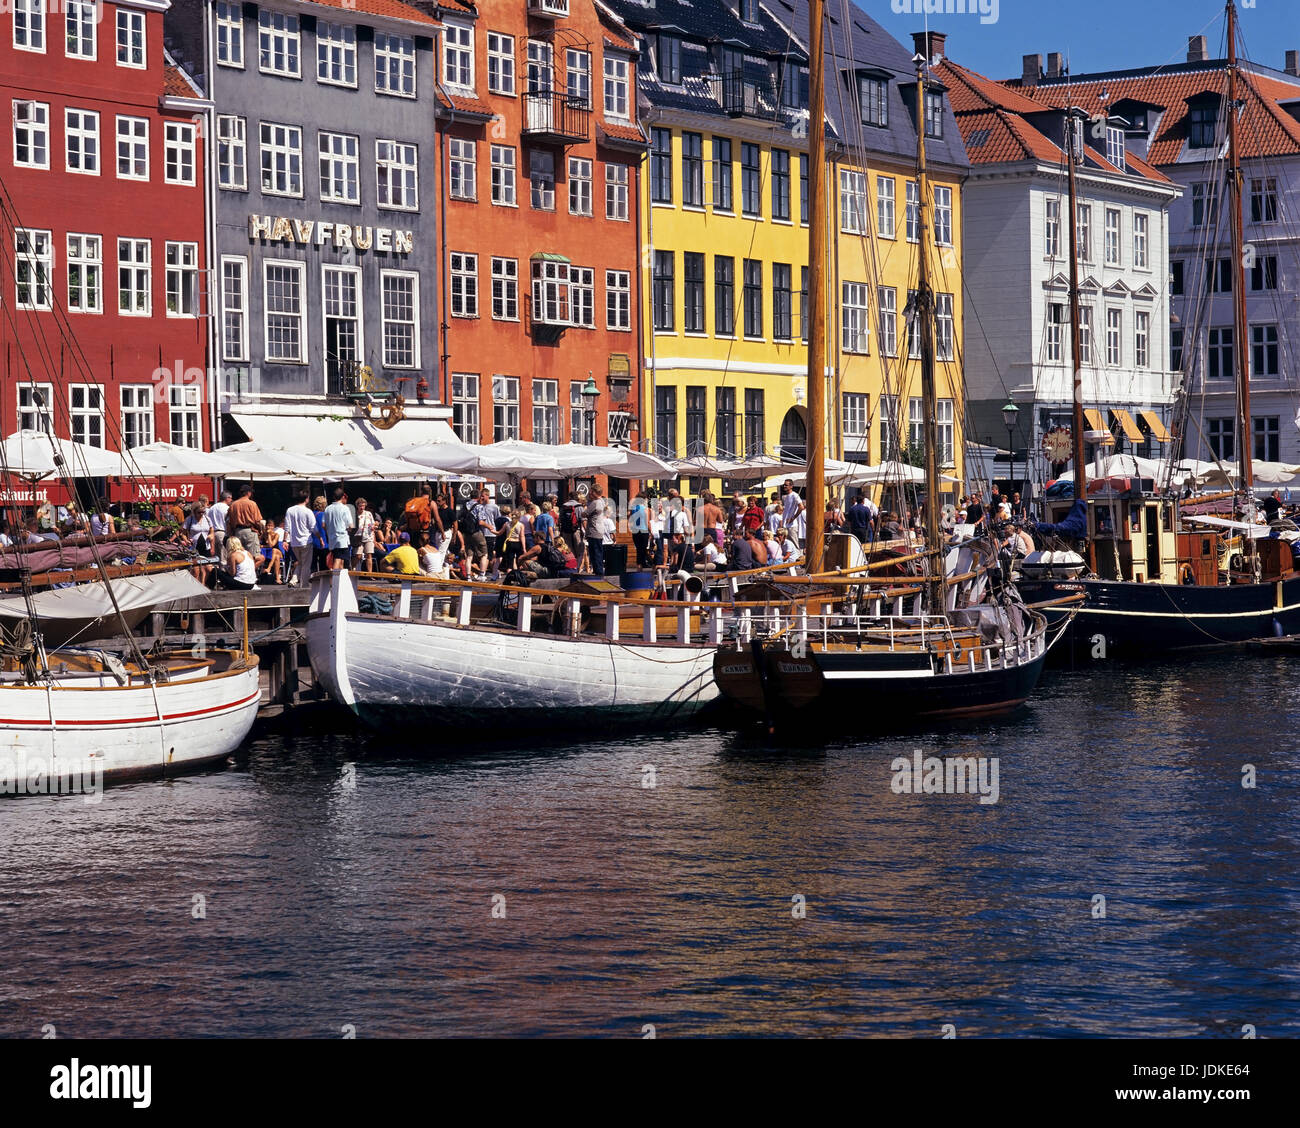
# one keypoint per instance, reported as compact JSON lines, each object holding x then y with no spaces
{"x":736,"y":470}
{"x":167,"y":460}
{"x":254,"y":461}
{"x":34,"y":455}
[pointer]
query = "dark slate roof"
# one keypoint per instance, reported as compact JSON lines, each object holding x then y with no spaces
{"x":865,"y":44}
{"x":703,"y":20}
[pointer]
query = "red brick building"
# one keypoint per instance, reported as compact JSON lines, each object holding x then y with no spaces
{"x":540,"y":155}
{"x":104,"y":329}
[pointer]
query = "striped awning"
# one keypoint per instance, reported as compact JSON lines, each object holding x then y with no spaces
{"x":1158,"y":430}
{"x":1128,"y":424}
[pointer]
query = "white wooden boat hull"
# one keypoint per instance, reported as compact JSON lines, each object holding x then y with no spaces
{"x":465,"y":676}
{"x":81,"y":729}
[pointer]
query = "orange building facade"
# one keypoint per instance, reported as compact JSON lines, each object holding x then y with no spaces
{"x":539,"y":166}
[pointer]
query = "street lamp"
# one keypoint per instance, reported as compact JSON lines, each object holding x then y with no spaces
{"x":1009,"y":414}
{"x":590,"y":394}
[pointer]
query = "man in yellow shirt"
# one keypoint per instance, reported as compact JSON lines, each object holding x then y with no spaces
{"x":404,"y":560}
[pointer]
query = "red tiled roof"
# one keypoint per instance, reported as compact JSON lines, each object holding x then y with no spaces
{"x":393,"y":9}
{"x":176,"y":83}
{"x":1265,"y":128}
{"x":623,"y":132}
{"x":466,"y":103}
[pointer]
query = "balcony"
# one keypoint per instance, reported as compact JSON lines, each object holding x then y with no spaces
{"x":742,"y":97}
{"x":549,"y":9}
{"x":556,"y":117}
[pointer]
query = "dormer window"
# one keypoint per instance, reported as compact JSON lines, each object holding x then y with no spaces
{"x":1115,"y":146}
{"x":669,"y":59}
{"x":873,"y":101}
{"x":934,"y":115}
{"x":1075,"y":125}
{"x":749,"y":11}
{"x":1202,"y":125}
{"x":794,"y":86}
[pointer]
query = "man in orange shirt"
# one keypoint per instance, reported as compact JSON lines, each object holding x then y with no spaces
{"x":245,"y":521}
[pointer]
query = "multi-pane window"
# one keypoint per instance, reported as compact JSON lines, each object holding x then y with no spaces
{"x":184,"y":423}
{"x":873,"y":101}
{"x":182,"y":279}
{"x":885,"y":206}
{"x":1055,"y":331}
{"x":944,"y":414}
{"x":693,"y":292}
{"x":1218,"y":276}
{"x":1221,"y":435}
{"x":661,"y":166}
{"x":464,"y":406}
{"x":503,"y":175}
{"x":804,"y":214}
{"x":340,"y":168}
{"x":668,"y":59}
{"x":32,"y":134}
{"x":505,"y":289}
{"x":1114,"y":327}
{"x":616,"y":191}
{"x":79,"y":25}
{"x":551,"y":292}
{"x":721,"y":147}
{"x":1263,"y":350}
{"x":1115,"y":146}
{"x":130,"y":38}
{"x":1220,"y":365}
{"x":853,"y":201}
{"x":85,"y":274}
{"x":133,"y":148}
{"x":944,"y":326}
{"x":283,"y":301}
{"x":753,"y":298}
{"x":942,"y":215}
{"x":1263,"y":273}
{"x":336,"y":53}
{"x":934,"y":115}
{"x":1085,"y":335}
{"x":1140,"y":240}
{"x":1083,"y":232}
{"x":34,"y":261}
{"x":178,"y":153}
{"x":755,"y":423}
{"x":782,"y":301}
{"x":81,"y":133}
{"x":582,"y":296}
{"x":541,"y":179}
{"x":400,"y":315}
{"x":616,"y":88}
{"x":692,"y":170}
{"x":1266,"y":437}
{"x":505,"y":408}
{"x":230,"y":32}
{"x":396,"y":175}
{"x":663,"y":292}
{"x":724,"y":295}
{"x":458,"y":55}
{"x":1112,"y":237}
{"x":724,"y":416}
{"x":579,"y":186}
{"x":1175,"y":350}
{"x":281,"y":154}
{"x":889,"y":427}
{"x":854,"y":414}
{"x":133,"y":287}
{"x":1052,"y":228}
{"x":750,"y":198}
{"x":137,"y":415}
{"x":34,"y":406}
{"x":582,"y":427}
{"x":462,"y":158}
{"x":464,"y":284}
{"x":1263,"y":199}
{"x":780,"y":184}
{"x":912,"y":212}
{"x":342,"y":310}
{"x":546,"y":411}
{"x":234,"y":308}
{"x":577,"y":76}
{"x":86,"y":404}
{"x":913,"y":329}
{"x":1141,"y":339}
{"x":501,"y":63}
{"x":855,"y":335}
{"x":803,"y":304}
{"x":29,"y":25}
{"x":1202,"y":125}
{"x":232,"y":152}
{"x":618,"y":299}
{"x":887,"y":300}
{"x":395,"y":65}
{"x":277,"y":43}
{"x":1205,"y":204}
{"x":696,"y":421}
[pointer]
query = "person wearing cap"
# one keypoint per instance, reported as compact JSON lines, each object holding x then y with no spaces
{"x":404,"y":560}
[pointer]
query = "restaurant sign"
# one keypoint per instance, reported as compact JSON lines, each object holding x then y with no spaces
{"x":317,"y":233}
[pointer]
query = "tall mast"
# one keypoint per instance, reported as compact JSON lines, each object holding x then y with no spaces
{"x":1240,"y":353}
{"x":924,"y":310}
{"x":815,"y":505}
{"x":1076,"y":420}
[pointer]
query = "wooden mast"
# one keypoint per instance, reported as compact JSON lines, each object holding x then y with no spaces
{"x":923,"y":309}
{"x":1240,"y":353}
{"x":815,"y":480}
{"x":1076,"y":418}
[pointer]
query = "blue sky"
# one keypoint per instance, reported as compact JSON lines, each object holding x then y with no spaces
{"x":1094,"y":34}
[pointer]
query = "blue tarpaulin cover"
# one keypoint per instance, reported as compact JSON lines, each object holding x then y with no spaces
{"x":1074,"y":527}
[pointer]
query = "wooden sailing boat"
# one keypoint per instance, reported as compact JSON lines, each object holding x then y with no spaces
{"x":1155,"y":586}
{"x":957,"y":642}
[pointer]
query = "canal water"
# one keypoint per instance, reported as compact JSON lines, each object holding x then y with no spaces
{"x":329,"y":881}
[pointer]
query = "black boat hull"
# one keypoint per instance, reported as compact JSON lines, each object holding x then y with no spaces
{"x":1124,"y":620}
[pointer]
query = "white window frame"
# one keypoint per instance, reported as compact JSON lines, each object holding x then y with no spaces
{"x":945,"y":327}
{"x":350,"y":284}
{"x":32,"y":122}
{"x":912,"y":211}
{"x":505,"y":181}
{"x":1140,"y":241}
{"x":463,"y":286}
{"x":1083,"y":232}
{"x":853,"y":201}
{"x":35,"y":411}
{"x":1112,"y":237}
{"x":34,"y":268}
{"x":1052,"y":227}
{"x":1085,"y":334}
{"x":580,"y":176}
{"x":886,"y":220}
{"x":618,"y":300}
{"x":550,"y":292}
{"x":501,"y":63}
{"x":397,"y":166}
{"x":855,"y":318}
{"x":617,"y":89}
{"x":229,"y":18}
{"x":232,"y":152}
{"x":942,"y":215}
{"x":462,"y":168}
{"x":339,"y":163}
{"x":181,"y":279}
{"x":458,"y":55}
{"x":1054,"y":332}
{"x":234,"y":306}
{"x":406,"y":278}
{"x":80,"y":29}
{"x":279,"y":44}
{"x":184,"y":421}
{"x":505,"y":407}
{"x":546,"y":411}
{"x":136,"y":268}
{"x":86,"y":421}
{"x":854,"y":413}
{"x":131,"y":32}
{"x":505,"y":288}
{"x":1141,"y":338}
{"x":29,"y":26}
{"x":616,"y":199}
{"x":887,"y":319}
{"x":178,"y":153}
{"x":293,"y":319}
{"x":336,"y":54}
{"x":132,"y":146}
{"x":136,"y":406}
{"x":1114,"y":337}
{"x":276,"y":139}
{"x":86,"y":257}
{"x":394,"y":65}
{"x":465,"y":406}
{"x":81,"y":134}
{"x":582,"y":296}
{"x":577,"y":75}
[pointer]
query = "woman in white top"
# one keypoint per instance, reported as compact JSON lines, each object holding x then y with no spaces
{"x":365,"y":534}
{"x":789,"y":550}
{"x":241,"y":572}
{"x":711,"y":556}
{"x":773,"y":546}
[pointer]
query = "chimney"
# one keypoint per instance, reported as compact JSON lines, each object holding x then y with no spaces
{"x":1196,"y":50}
{"x":1032,"y":68}
{"x":1055,"y":64}
{"x":929,"y":44}
{"x":1293,"y":63}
